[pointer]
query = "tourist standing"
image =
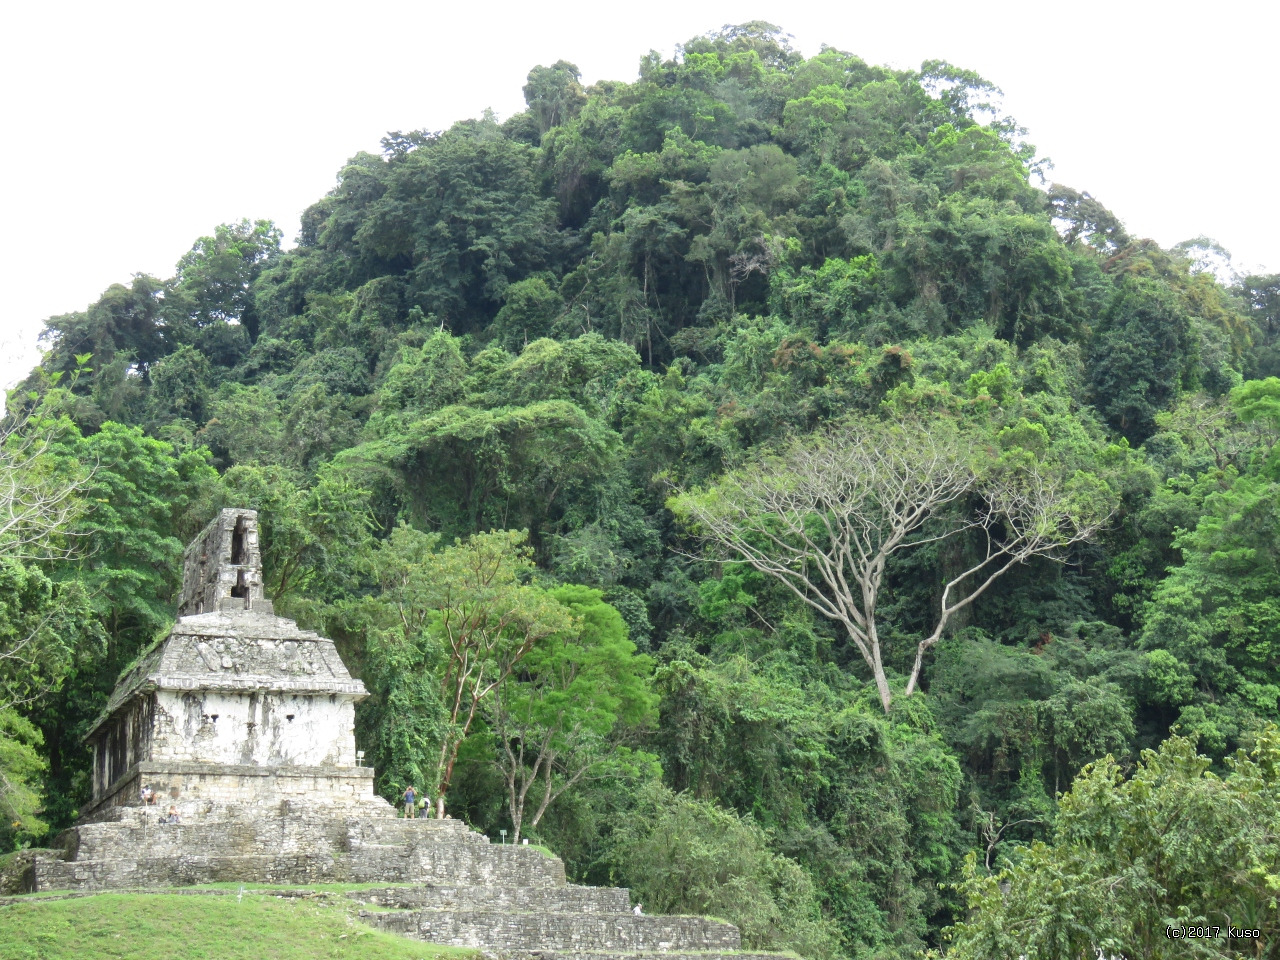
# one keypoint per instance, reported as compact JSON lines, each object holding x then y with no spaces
{"x":410,"y":799}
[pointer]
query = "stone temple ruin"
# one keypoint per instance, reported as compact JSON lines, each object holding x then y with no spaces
{"x":245,"y":724}
{"x":237,"y":704}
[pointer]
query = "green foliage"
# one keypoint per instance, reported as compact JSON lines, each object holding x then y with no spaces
{"x":782,"y":743}
{"x":465,"y":468}
{"x":551,"y":324}
{"x":1172,"y":845}
{"x":49,"y":637}
{"x":180,"y":385}
{"x":1216,"y":617}
{"x":462,"y":208}
{"x":214,"y":280}
{"x":530,"y":308}
{"x":554,"y":95}
{"x":830,"y":298}
{"x":406,"y":717}
{"x":21,"y":769}
{"x":147,"y":499}
{"x":568,"y":714}
{"x":1140,"y":356}
{"x":1262,"y":299}
{"x":447,"y":630}
{"x":1026,"y":721}
{"x":41,"y":624}
{"x":313,"y":536}
{"x":427,"y":379}
{"x":682,"y":855}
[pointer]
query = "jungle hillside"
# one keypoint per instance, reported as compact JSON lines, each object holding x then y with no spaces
{"x":757,"y":482}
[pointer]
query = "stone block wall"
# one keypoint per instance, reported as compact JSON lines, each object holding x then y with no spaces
{"x":222,"y":567}
{"x":192,"y":786}
{"x":407,"y":833}
{"x":496,"y":930}
{"x":284,"y":845}
{"x":566,"y":899}
{"x":258,"y":726}
{"x":466,"y":864}
{"x":226,"y":689}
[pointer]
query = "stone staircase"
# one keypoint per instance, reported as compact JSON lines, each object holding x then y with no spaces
{"x":453,"y":886}
{"x":213,"y":843}
{"x":543,"y":929}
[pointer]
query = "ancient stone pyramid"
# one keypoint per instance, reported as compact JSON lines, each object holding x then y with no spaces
{"x":244,"y":724}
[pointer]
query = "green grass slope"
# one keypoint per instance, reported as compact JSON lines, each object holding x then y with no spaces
{"x":255,"y":925}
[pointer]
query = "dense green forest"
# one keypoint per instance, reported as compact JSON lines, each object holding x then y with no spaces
{"x":852,"y":534}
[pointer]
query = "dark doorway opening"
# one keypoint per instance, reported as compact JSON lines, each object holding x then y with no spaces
{"x":239,"y":550}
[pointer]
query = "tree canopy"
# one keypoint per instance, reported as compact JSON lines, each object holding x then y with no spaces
{"x":752,"y":480}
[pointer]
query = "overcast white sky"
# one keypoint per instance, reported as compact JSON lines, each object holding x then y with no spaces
{"x":132,"y":128}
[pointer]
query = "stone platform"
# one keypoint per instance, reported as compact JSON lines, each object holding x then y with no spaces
{"x":281,"y":843}
{"x":266,"y":786}
{"x":444,"y":883}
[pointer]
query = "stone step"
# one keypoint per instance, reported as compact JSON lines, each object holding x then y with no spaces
{"x":531,"y":932}
{"x":404,"y":831}
{"x":311,"y":832}
{"x":111,"y":840}
{"x":455,"y":864}
{"x":150,"y":872}
{"x":567,"y":899}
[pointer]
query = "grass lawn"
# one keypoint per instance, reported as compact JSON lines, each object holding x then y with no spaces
{"x":170,"y":926}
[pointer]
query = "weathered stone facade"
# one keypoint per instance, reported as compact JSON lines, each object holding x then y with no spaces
{"x":222,"y":568}
{"x":236,"y":703}
{"x":244,"y":723}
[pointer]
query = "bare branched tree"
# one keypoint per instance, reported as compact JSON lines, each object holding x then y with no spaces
{"x":553,"y":752}
{"x":489,"y":622}
{"x":39,"y":498}
{"x":993,"y":830}
{"x":825,"y":516}
{"x":22,"y":659}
